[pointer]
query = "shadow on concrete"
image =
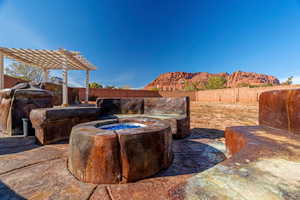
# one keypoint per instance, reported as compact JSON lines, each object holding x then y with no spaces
{"x":196,"y":154}
{"x":6,"y":193}
{"x":207,"y":133}
{"x":16,"y":145}
{"x":9,"y":145}
{"x":16,"y":149}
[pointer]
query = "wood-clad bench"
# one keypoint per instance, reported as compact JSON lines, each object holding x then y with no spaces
{"x":55,"y":124}
{"x":174,"y":110}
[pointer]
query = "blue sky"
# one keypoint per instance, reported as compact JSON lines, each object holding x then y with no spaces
{"x":133,"y":41}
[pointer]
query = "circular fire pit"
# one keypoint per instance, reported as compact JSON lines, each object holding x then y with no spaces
{"x":119,"y":150}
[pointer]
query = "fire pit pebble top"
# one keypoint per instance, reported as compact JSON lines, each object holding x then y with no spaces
{"x":120,"y":126}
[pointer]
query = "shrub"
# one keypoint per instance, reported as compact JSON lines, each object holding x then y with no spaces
{"x":154,"y":89}
{"x":289,"y":81}
{"x":243,"y":85}
{"x":95,"y":85}
{"x":263,"y":85}
{"x":215,"y":82}
{"x":190,"y":86}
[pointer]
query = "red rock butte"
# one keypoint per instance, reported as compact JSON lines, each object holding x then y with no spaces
{"x":176,"y":80}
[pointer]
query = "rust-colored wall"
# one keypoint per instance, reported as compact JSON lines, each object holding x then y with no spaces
{"x":103,"y":92}
{"x":11,"y":81}
{"x":191,"y":94}
{"x":237,"y":95}
{"x":229,"y":95}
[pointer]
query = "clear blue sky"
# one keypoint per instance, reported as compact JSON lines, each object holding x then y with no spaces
{"x":133,"y":41}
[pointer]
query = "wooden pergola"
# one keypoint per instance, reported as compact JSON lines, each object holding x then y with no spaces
{"x":60,"y":59}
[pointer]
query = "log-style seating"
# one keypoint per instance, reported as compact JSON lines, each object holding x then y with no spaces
{"x":16,"y":104}
{"x":174,"y":110}
{"x":55,"y":124}
{"x":264,"y":160}
{"x":102,"y":156}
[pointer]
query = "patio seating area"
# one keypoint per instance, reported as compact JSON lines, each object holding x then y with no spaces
{"x":263,"y":159}
{"x":84,"y":152}
{"x":55,"y":124}
{"x":174,"y":110}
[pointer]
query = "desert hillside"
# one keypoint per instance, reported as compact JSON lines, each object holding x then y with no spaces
{"x":178,"y":80}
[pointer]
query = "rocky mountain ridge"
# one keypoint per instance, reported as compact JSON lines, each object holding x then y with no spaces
{"x":172,"y":81}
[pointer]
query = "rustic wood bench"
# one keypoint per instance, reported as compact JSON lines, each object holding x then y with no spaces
{"x":55,"y":124}
{"x":176,"y":111}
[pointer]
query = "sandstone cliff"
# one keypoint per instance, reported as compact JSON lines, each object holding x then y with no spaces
{"x":177,"y":80}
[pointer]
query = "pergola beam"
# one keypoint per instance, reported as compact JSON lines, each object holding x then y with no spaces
{"x":20,"y":59}
{"x":49,"y":59}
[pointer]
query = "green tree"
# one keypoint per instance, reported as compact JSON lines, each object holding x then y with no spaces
{"x":154,"y":89}
{"x":190,"y":86}
{"x":289,"y":81}
{"x":95,"y":85}
{"x":23,"y":71}
{"x":243,"y":85}
{"x":215,"y":82}
{"x":110,"y":87}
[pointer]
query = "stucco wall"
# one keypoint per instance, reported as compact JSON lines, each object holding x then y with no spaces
{"x":102,"y":92}
{"x":237,"y":95}
{"x":11,"y":81}
{"x":228,"y":95}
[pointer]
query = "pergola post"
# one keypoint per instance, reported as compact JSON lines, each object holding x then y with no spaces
{"x":1,"y":71}
{"x":65,"y":86}
{"x":46,"y":75}
{"x":87,"y":80}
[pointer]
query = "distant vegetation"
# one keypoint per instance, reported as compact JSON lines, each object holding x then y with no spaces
{"x":262,"y":85}
{"x":95,"y":85}
{"x":154,"y":89}
{"x":254,"y":86}
{"x":110,"y":87}
{"x":28,"y":73}
{"x":98,"y":85}
{"x":190,"y":86}
{"x":216,"y":82}
{"x":289,"y":81}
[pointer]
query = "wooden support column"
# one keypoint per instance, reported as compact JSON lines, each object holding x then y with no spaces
{"x":1,"y":71}
{"x":46,"y":75}
{"x":65,"y":87}
{"x":87,"y":80}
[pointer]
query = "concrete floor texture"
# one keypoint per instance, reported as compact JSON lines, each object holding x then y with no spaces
{"x":200,"y":167}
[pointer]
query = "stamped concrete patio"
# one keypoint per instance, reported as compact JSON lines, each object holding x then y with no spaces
{"x":269,"y":171}
{"x":29,"y":171}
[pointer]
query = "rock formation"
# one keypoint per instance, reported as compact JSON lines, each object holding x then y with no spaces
{"x":177,"y":80}
{"x":239,"y":78}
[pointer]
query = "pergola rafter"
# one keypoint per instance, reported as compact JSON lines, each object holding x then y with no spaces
{"x":48,"y":59}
